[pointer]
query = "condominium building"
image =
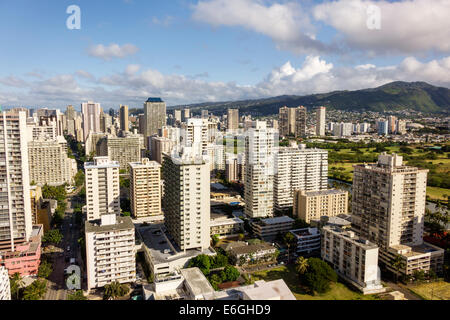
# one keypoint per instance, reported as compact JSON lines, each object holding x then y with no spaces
{"x":102,"y":188}
{"x":298,"y":168}
{"x":124,"y":126}
{"x":268,"y":229}
{"x":91,"y":118}
{"x":343,"y":129}
{"x":382,"y":127}
{"x":392,"y":124}
{"x":307,"y":241}
{"x":177,"y":116}
{"x":5,"y":290}
{"x":401,"y":126}
{"x":194,"y":134}
{"x":145,"y":188}
{"x":154,"y":117}
{"x":233,"y":119}
{"x":186,"y":200}
{"x":355,"y":259}
{"x":300,"y":121}
{"x":231,"y":168}
{"x":121,"y":149}
{"x":388,"y":208}
{"x":320,"y":121}
{"x":311,"y":205}
{"x":258,"y":178}
{"x":286,"y":121}
{"x":110,"y":251}
{"x":159,"y":146}
{"x":223,"y":225}
{"x":49,"y":163}
{"x":185,"y":115}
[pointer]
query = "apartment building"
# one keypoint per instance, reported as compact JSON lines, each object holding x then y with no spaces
{"x":320,"y":121}
{"x":311,"y":205}
{"x":388,"y":208}
{"x":300,"y":121}
{"x":223,"y":225}
{"x":49,"y":163}
{"x":5,"y":290}
{"x":91,"y":118}
{"x":268,"y":229}
{"x":231,"y":168}
{"x":194,"y":134}
{"x":353,"y":258}
{"x":110,"y":251}
{"x":343,"y":129}
{"x":298,"y":168}
{"x":121,"y":149}
{"x":145,"y":188}
{"x":124,"y":124}
{"x":260,"y":143}
{"x":242,"y":254}
{"x":286,"y":117}
{"x":159,"y":146}
{"x":186,"y":199}
{"x":307,"y":241}
{"x":102,"y":188}
{"x":233,"y":119}
{"x":154,"y":117}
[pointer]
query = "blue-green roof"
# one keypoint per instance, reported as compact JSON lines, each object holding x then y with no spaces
{"x":154,"y":100}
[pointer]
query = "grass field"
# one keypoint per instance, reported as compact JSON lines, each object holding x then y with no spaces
{"x":338,"y":291}
{"x":432,"y":291}
{"x":437,"y":193}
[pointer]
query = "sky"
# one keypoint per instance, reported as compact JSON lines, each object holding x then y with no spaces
{"x":190,"y":51}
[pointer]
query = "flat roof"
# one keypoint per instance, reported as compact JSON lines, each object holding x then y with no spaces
{"x":218,"y":186}
{"x":324,"y":192}
{"x":275,"y":220}
{"x":276,"y":289}
{"x":252,"y":248}
{"x":305,"y":232}
{"x":122,"y":223}
{"x":196,"y":281}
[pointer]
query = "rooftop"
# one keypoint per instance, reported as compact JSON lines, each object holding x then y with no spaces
{"x":305,"y":232}
{"x":122,"y":223}
{"x":276,"y":220}
{"x":196,"y":281}
{"x":324,"y":192}
{"x":154,"y":99}
{"x":247,"y":249}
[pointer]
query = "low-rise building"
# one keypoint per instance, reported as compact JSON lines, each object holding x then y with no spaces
{"x":353,"y":258}
{"x":308,"y":241}
{"x":5,"y":291}
{"x":252,"y":253}
{"x":223,"y":225}
{"x":268,"y":229}
{"x":110,"y":251}
{"x":309,"y":205}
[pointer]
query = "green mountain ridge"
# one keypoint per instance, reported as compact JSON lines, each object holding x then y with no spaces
{"x":418,"y":96}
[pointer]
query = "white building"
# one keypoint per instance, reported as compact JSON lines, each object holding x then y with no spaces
{"x":91,"y":118}
{"x":110,"y":251}
{"x":343,"y":129}
{"x":308,"y":241}
{"x":102,"y":188}
{"x":298,"y":168}
{"x":270,"y":228}
{"x":5,"y":290}
{"x":260,"y":145}
{"x":355,"y":259}
{"x":382,"y":127}
{"x":145,"y":188}
{"x":320,"y":121}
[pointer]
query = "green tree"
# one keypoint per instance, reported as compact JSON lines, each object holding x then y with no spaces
{"x":202,"y":262}
{"x":398,"y":264}
{"x":77,"y":295}
{"x":231,"y":273}
{"x":53,"y":236}
{"x":45,"y":269}
{"x":301,"y":265}
{"x":215,"y":239}
{"x":289,"y":241}
{"x":241,"y":236}
{"x":16,"y":283}
{"x":220,"y":260}
{"x":36,"y":290}
{"x":115,"y":290}
{"x":318,"y":276}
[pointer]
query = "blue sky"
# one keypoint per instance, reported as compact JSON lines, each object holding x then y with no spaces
{"x":212,"y":50}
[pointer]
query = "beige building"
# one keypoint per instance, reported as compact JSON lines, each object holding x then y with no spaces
{"x":49,"y":163}
{"x":355,"y":259}
{"x":123,"y":112}
{"x":145,"y":188}
{"x":91,"y":118}
{"x":388,"y":208}
{"x":186,"y":200}
{"x":286,"y":121}
{"x":110,"y":251}
{"x":233,"y":119}
{"x":223,"y":225}
{"x":154,"y":117}
{"x":159,"y":146}
{"x":298,"y":168}
{"x":121,"y":149}
{"x":5,"y":291}
{"x":300,"y":121}
{"x":311,"y":205}
{"x":102,"y":188}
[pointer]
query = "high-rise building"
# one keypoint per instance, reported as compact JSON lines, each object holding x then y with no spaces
{"x":392,"y":122}
{"x":231,"y":167}
{"x":401,"y":126}
{"x":102,"y":188}
{"x":70,"y":113}
{"x":195,"y":135}
{"x":300,"y":121}
{"x":110,"y":251}
{"x":154,"y":117}
{"x":177,"y":115}
{"x":158,"y":146}
{"x":298,"y":168}
{"x":186,"y":114}
{"x":388,"y":207}
{"x":382,"y":127}
{"x":311,"y":205}
{"x":186,"y":200}
{"x":145,"y":188}
{"x":233,"y":119}
{"x":287,"y":121}
{"x":124,"y":126}
{"x":15,"y":209}
{"x":121,"y":149}
{"x":91,"y":118}
{"x":260,"y":145}
{"x":320,"y":121}
{"x":343,"y":129}
{"x":5,"y":290}
{"x":205,"y":114}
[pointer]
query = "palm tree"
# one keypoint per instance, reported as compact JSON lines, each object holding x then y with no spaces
{"x":16,"y":283}
{"x":36,"y":290}
{"x":115,"y":290}
{"x":288,"y":240}
{"x":398,"y":264}
{"x":301,"y":265}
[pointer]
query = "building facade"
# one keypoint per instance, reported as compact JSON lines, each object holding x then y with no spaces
{"x":124,"y":126}
{"x":5,"y":290}
{"x":91,"y":118}
{"x":320,"y":121}
{"x":233,"y":119}
{"x":154,"y":117}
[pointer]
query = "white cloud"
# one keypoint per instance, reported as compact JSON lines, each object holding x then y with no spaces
{"x":287,"y":24}
{"x":84,"y":74}
{"x":134,"y":84}
{"x":112,"y":51}
{"x":406,"y":26}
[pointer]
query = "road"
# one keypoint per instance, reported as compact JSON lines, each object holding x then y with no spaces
{"x":399,"y":287}
{"x":57,"y":289}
